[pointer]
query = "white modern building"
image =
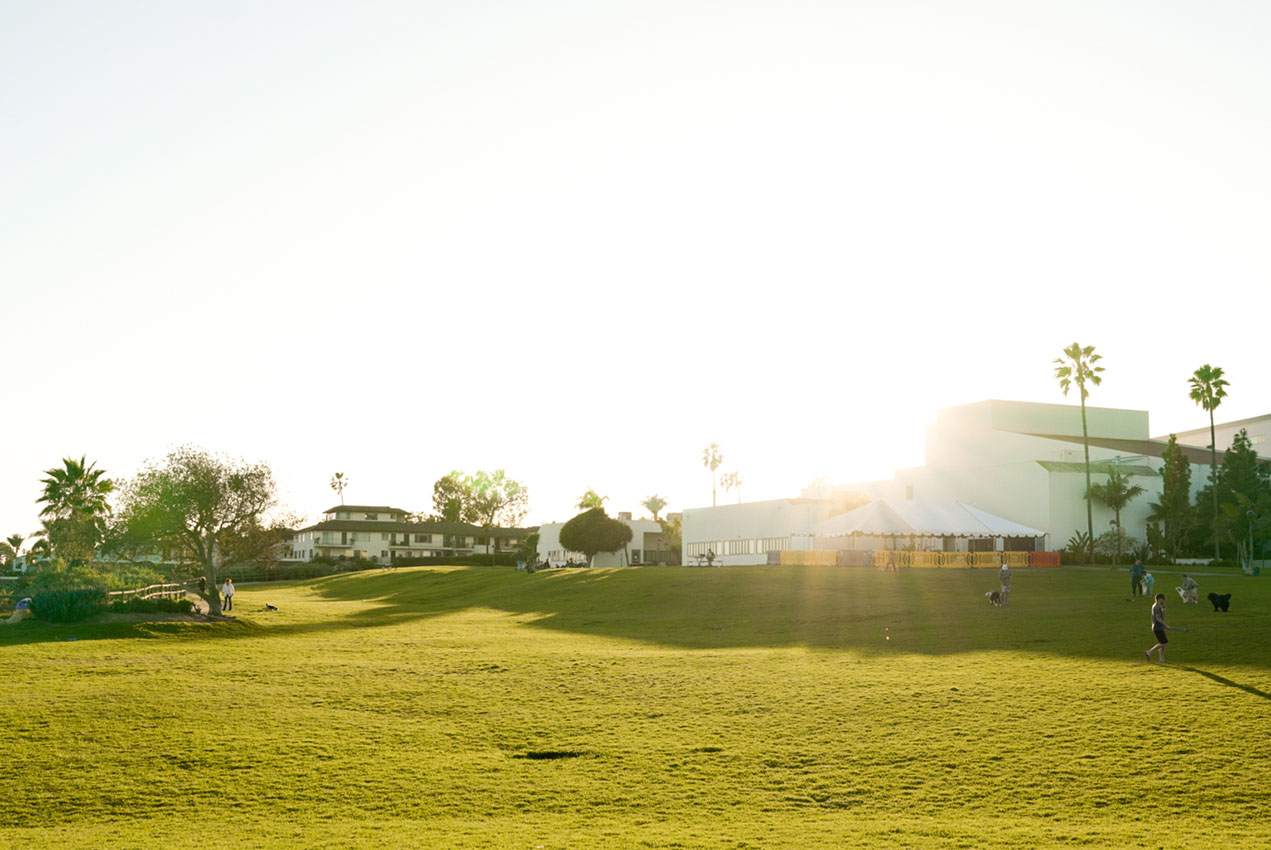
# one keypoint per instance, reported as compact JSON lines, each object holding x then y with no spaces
{"x":1019,"y":461}
{"x":383,"y":533}
{"x":646,"y":546}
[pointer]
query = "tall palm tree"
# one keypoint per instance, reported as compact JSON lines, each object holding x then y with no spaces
{"x":1208,"y":390}
{"x":591,"y":499}
{"x":1116,"y":494}
{"x":338,"y":483}
{"x":711,"y":459}
{"x":731,"y":481}
{"x":654,"y":505}
{"x":1077,"y":366}
{"x":14,"y":542}
{"x":76,"y":505}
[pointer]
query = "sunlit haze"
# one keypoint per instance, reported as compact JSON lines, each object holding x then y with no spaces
{"x":581,"y":241}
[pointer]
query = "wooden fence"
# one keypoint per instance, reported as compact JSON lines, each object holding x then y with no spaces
{"x":154,"y":591}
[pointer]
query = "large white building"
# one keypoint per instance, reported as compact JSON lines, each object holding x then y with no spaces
{"x":383,"y":533}
{"x":1017,"y":460}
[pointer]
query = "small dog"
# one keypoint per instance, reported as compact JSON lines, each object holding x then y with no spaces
{"x":1220,"y":600}
{"x":995,"y":597}
{"x":269,"y":607}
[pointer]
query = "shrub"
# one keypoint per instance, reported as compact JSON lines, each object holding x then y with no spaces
{"x":151,"y":606}
{"x":500,"y":559}
{"x":68,"y":605}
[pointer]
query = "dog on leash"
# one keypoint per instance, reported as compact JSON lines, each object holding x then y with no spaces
{"x":1220,"y":600}
{"x":995,"y":598}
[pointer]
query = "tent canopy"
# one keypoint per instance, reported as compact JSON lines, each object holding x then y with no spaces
{"x":921,"y":518}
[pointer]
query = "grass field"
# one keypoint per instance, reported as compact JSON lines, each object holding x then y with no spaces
{"x":688,"y":708}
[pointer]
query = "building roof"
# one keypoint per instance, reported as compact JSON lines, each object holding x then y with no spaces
{"x":374,"y":509}
{"x":1151,"y":448}
{"x":461,"y":528}
{"x":921,"y":518}
{"x":1100,"y":468}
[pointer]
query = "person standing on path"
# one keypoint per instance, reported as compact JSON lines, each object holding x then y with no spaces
{"x":1158,"y":628}
{"x":227,"y":591}
{"x":1004,"y":576}
{"x":1136,"y":576}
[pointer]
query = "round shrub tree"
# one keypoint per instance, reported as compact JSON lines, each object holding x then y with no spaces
{"x":593,"y":531}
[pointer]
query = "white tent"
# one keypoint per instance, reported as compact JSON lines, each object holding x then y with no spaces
{"x":920,"y":518}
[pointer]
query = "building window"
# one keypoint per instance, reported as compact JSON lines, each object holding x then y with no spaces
{"x":372,"y":516}
{"x":423,"y":538}
{"x":383,"y":536}
{"x":384,"y":553}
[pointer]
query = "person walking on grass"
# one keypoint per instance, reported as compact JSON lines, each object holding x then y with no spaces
{"x":1136,"y":576}
{"x":1158,"y":628}
{"x":227,"y":591}
{"x":1004,"y":576}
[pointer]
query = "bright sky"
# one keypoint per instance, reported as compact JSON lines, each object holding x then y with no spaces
{"x":580,"y":241}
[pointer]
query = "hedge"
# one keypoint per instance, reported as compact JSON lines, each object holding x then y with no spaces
{"x":68,"y":605}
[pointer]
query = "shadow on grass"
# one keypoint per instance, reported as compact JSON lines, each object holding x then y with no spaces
{"x":932,"y":612}
{"x":1222,"y":680}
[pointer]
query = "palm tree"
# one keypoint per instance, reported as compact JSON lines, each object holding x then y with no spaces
{"x":654,"y":505}
{"x":1208,"y":390}
{"x":76,"y":506}
{"x":731,"y":481}
{"x":591,"y":499}
{"x":1116,"y":494}
{"x":1079,"y":367}
{"x":338,"y":483}
{"x":711,"y":459}
{"x":12,"y":547}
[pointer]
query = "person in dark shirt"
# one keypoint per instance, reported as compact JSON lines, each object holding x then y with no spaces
{"x":1158,"y":628}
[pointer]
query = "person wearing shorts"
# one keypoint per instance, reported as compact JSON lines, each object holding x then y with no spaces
{"x":1158,"y":628}
{"x":1004,"y":576}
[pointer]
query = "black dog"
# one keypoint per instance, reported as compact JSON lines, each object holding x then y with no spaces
{"x":1220,"y":600}
{"x":269,"y":607}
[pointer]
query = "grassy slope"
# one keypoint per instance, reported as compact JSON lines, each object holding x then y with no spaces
{"x":743,"y":707}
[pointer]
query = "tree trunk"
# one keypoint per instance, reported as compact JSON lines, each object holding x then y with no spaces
{"x":1213,"y":478}
{"x":1085,"y":442}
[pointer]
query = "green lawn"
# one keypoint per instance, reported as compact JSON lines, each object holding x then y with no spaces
{"x":740,"y":707}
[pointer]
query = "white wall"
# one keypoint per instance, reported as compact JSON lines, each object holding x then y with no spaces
{"x":737,"y":533}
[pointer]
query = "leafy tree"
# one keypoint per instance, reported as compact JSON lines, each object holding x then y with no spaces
{"x":39,"y":550}
{"x":527,"y":551}
{"x":1244,"y":494}
{"x":488,"y":499}
{"x":592,"y":531}
{"x":338,"y":483}
{"x":1173,"y":513}
{"x":76,"y":508}
{"x":591,"y":499}
{"x":1116,"y":494}
{"x":200,"y":501}
{"x":711,"y":459}
{"x":673,"y":534}
{"x":1079,"y":368}
{"x":1112,"y":543}
{"x":654,"y":505}
{"x":449,"y":497}
{"x":1208,"y":389}
{"x":258,"y":541}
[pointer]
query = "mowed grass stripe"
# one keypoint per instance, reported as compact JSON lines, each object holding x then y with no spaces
{"x":772,"y":706}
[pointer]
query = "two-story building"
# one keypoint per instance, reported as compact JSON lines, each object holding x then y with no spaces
{"x":384,"y":533}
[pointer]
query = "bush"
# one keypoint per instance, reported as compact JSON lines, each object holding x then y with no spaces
{"x":152,"y":606}
{"x":68,"y":605}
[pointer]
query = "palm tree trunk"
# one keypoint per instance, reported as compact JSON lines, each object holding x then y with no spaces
{"x":1085,"y":443}
{"x":1213,"y":477}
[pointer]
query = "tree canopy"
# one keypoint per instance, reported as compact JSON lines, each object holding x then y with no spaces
{"x":76,"y":508}
{"x":591,"y":499}
{"x":197,"y":500}
{"x":592,"y":531}
{"x":483,"y":498}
